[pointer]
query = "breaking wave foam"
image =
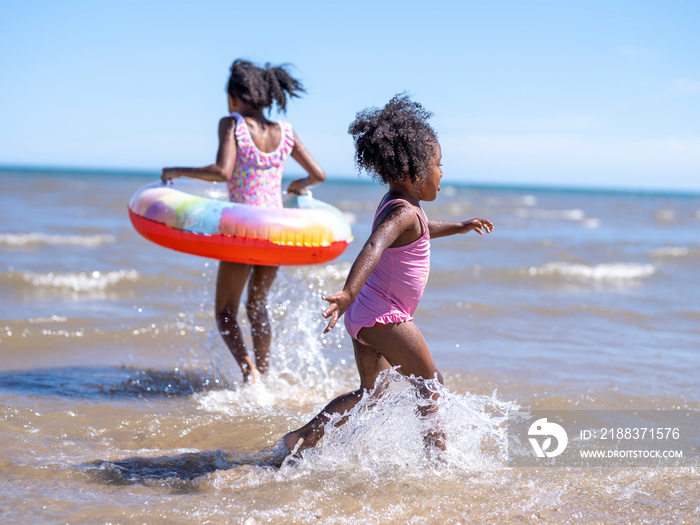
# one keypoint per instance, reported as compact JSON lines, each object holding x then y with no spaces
{"x":32,"y":239}
{"x":670,"y":251}
{"x":81,"y":281}
{"x":567,"y":215}
{"x":597,"y":272}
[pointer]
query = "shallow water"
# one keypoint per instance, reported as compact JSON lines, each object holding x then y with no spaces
{"x":119,"y":403}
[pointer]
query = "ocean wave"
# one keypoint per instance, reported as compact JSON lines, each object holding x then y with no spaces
{"x":449,"y":191}
{"x":20,"y":240}
{"x":350,"y":216}
{"x":106,"y":382}
{"x":597,"y":272}
{"x":670,"y":251}
{"x":591,"y":222}
{"x":43,"y":320}
{"x":567,"y":215}
{"x":689,"y":314}
{"x":665,"y":215}
{"x":353,"y":206}
{"x":81,"y":281}
{"x":520,"y":200}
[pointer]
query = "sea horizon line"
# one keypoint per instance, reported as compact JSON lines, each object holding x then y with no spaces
{"x":366,"y":179}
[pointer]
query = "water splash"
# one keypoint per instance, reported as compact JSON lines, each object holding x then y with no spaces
{"x":302,"y":357}
{"x":385,"y":432}
{"x":383,"y":439}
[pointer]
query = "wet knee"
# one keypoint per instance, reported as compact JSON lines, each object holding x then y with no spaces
{"x":225,"y":317}
{"x":257,"y":311}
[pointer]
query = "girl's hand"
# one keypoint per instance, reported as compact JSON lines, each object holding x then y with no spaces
{"x":478,"y":225}
{"x":340,"y":301}
{"x":298,"y":187}
{"x":168,"y":174}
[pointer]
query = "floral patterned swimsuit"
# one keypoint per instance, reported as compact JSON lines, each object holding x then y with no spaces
{"x":257,"y":176}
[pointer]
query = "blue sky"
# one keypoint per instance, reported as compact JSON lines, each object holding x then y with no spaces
{"x":592,"y":94}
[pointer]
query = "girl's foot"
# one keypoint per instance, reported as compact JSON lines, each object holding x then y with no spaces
{"x":251,"y":375}
{"x":280,"y":452}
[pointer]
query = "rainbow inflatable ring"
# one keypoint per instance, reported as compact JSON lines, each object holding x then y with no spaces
{"x":196,"y":217}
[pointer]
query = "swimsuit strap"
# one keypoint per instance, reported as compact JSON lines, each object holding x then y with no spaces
{"x":420,"y":215}
{"x":243,"y":135}
{"x":242,"y":132}
{"x":238,"y":117}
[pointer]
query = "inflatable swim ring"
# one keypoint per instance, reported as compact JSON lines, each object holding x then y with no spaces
{"x":196,"y":217}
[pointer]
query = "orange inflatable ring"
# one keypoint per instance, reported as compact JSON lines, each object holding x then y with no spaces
{"x":196,"y":217}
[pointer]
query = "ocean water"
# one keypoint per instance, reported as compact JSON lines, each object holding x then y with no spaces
{"x":120,"y":404}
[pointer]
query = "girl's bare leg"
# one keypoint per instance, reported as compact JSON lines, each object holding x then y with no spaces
{"x":369,"y":364}
{"x":403,"y":345}
{"x":397,"y":344}
{"x":230,"y":283}
{"x":261,"y":279}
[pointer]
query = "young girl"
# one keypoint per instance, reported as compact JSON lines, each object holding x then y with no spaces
{"x":398,"y":147}
{"x":250,"y":159}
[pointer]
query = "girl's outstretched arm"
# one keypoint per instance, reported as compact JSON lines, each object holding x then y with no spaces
{"x":309,"y":164}
{"x":445,"y":228}
{"x":225,"y":158}
{"x":394,"y":220}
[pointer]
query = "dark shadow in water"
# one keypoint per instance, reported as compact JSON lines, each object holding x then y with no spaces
{"x":98,"y":382}
{"x":177,"y":471}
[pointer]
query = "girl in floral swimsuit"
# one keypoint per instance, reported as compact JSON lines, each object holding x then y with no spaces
{"x":251,"y":157}
{"x":386,"y":281}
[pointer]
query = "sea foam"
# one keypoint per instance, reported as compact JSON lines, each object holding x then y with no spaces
{"x":670,"y":251}
{"x":567,"y":215}
{"x":21,"y":240}
{"x":81,"y":281}
{"x":597,"y":272}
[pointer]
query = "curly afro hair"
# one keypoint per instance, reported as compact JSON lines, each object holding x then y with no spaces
{"x":260,"y":87}
{"x":395,"y":141}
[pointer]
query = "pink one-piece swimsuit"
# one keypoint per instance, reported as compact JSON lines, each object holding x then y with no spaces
{"x":257,"y":176}
{"x":395,"y":286}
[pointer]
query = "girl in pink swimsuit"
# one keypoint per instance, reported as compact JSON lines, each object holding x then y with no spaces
{"x":399,"y":148}
{"x":251,"y":158}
